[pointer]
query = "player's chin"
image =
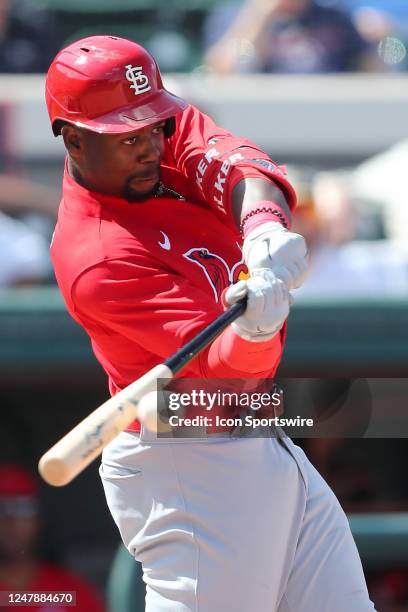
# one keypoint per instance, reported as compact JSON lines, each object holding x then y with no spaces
{"x":140,"y":191}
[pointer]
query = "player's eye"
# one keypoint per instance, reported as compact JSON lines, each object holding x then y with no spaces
{"x":130,"y":141}
{"x":159,"y":128}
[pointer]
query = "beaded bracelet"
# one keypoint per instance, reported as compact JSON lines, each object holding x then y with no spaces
{"x":263,"y":209}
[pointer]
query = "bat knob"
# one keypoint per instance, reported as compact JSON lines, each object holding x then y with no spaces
{"x":152,"y":411}
{"x":54,"y":471}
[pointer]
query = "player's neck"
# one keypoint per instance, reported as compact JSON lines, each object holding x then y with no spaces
{"x":75,"y":174}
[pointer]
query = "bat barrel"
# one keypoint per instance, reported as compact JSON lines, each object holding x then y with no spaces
{"x":68,"y":457}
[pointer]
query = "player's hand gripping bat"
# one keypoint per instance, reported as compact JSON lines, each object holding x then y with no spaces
{"x":68,"y":457}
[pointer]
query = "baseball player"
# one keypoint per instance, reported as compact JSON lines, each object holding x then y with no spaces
{"x":163,"y":216}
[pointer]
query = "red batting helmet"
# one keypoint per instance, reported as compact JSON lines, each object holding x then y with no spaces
{"x":108,"y":85}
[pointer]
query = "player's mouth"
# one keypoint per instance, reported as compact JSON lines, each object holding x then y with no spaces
{"x":146,"y":179}
{"x":140,"y":187}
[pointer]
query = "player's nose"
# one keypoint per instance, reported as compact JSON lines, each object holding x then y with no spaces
{"x":150,"y":150}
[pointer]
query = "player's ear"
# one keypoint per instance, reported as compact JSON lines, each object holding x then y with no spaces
{"x":73,"y":140}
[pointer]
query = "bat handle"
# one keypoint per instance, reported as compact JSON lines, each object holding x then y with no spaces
{"x":179,"y":359}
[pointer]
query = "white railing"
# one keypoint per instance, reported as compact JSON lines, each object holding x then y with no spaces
{"x":347,"y":115}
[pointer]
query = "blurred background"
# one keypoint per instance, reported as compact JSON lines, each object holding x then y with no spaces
{"x":322,"y":86}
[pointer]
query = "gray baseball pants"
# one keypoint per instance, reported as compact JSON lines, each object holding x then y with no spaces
{"x":232,"y":525}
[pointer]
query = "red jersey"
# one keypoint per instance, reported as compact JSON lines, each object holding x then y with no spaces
{"x":51,"y":578}
{"x":143,"y":278}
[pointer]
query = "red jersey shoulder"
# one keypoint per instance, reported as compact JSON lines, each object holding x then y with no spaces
{"x":215,"y":160}
{"x":172,"y":235}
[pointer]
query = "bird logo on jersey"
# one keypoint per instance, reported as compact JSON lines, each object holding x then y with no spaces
{"x":216,"y":269}
{"x":140,"y":82}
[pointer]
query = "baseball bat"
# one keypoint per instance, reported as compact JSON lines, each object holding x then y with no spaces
{"x":79,"y":447}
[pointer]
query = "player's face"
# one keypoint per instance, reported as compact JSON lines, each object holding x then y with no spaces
{"x":17,"y":534}
{"x":124,"y":165}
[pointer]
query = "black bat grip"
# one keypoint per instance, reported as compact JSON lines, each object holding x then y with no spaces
{"x":179,"y":359}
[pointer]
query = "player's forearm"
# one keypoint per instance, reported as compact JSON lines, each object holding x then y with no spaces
{"x":262,"y":211}
{"x":252,"y":345}
{"x":252,"y":190}
{"x":230,"y":356}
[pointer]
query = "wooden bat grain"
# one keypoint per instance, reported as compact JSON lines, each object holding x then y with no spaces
{"x":68,"y":457}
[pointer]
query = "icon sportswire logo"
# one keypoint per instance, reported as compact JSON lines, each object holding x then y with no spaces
{"x":140,"y":82}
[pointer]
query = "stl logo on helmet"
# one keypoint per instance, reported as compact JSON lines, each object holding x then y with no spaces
{"x":140,"y":82}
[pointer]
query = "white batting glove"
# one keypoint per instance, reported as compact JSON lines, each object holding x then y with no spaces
{"x":267,"y":306}
{"x":272,"y":246}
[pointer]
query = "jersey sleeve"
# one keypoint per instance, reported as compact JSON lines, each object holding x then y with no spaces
{"x":157,"y":312}
{"x":214,"y":161}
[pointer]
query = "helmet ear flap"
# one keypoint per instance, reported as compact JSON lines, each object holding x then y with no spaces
{"x":170,"y":127}
{"x":57,"y":126}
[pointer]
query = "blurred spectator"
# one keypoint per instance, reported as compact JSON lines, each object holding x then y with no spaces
{"x":374,"y":192}
{"x":377,"y":186}
{"x":26,"y":212}
{"x":285,"y":36}
{"x":20,"y":569}
{"x":24,"y":254}
{"x":384,"y":23}
{"x":341,"y":266}
{"x":19,"y":195}
{"x":28,"y":37}
{"x":396,"y":10}
{"x":389,"y":589}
